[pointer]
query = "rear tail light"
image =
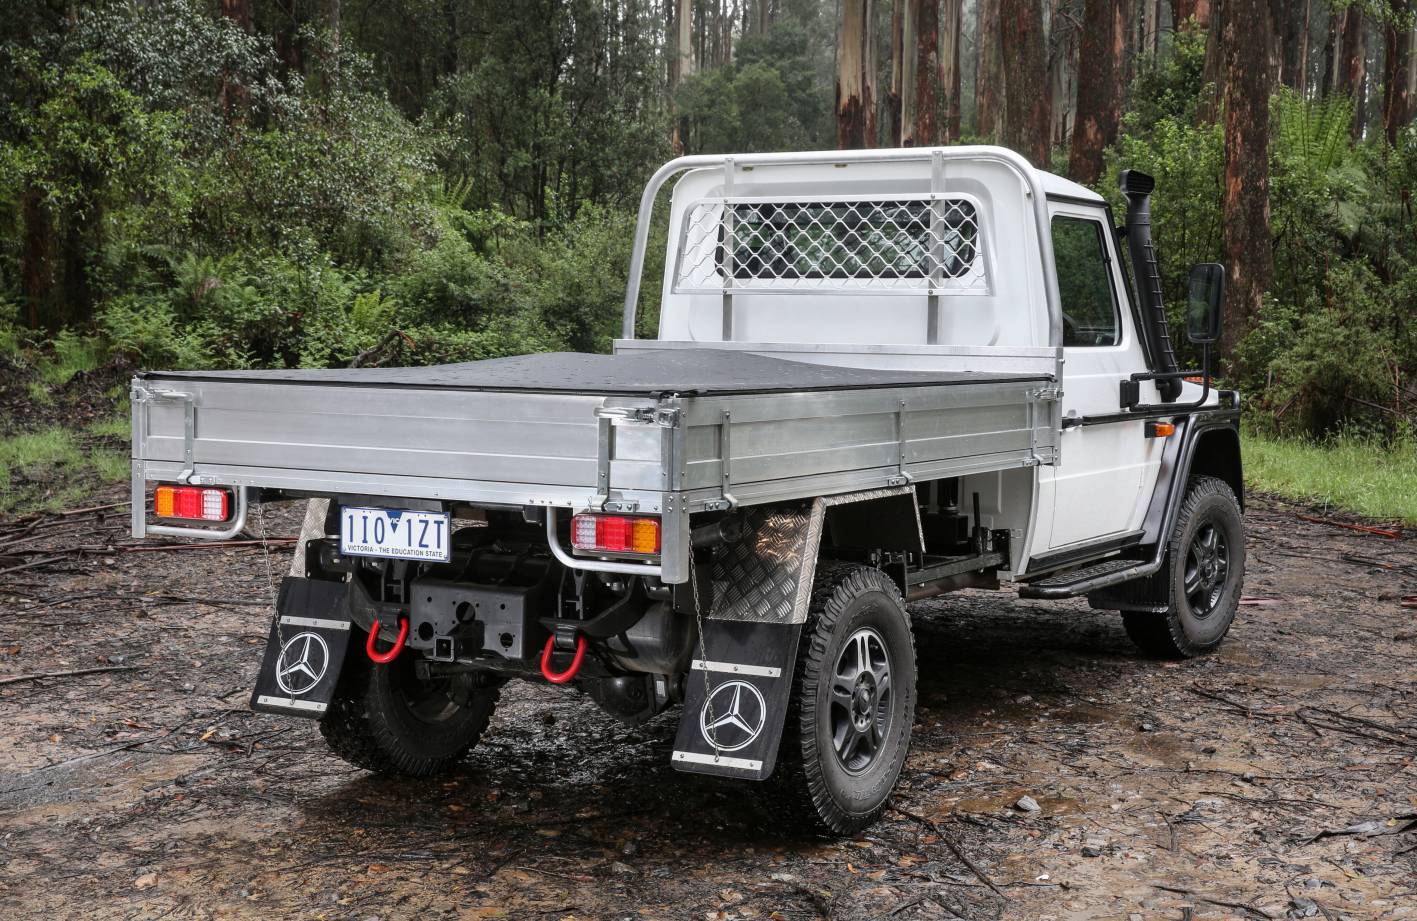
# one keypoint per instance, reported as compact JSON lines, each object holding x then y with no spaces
{"x":615,"y":534}
{"x":195,"y":503}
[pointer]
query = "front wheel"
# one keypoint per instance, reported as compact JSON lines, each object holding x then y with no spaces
{"x":385,"y":718}
{"x":853,"y":703}
{"x":1204,"y":573}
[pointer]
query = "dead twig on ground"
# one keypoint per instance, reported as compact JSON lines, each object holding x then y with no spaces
{"x":953,"y":846}
{"x":215,"y":545}
{"x":69,"y":673}
{"x":34,"y":564}
{"x":1222,"y":903}
{"x":1391,"y":533}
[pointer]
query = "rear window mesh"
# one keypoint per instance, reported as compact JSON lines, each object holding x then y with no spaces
{"x":910,"y":245}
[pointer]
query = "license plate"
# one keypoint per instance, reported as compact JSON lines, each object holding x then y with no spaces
{"x":396,"y":533}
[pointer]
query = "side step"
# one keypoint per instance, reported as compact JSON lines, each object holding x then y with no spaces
{"x":1074,"y":582}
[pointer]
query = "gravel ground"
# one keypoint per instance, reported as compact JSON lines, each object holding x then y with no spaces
{"x":1274,"y":779}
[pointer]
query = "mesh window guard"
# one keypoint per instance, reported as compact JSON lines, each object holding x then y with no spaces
{"x":928,"y":245}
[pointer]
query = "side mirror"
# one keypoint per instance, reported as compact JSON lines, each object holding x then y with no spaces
{"x":1203,"y":305}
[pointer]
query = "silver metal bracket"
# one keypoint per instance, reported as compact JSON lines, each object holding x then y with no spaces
{"x":725,"y":426}
{"x":1044,"y":394}
{"x":663,"y":416}
{"x":189,"y":423}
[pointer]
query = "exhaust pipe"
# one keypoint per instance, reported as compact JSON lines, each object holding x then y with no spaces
{"x":1137,"y":188}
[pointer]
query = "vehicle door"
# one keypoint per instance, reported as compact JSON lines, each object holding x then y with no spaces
{"x":1098,"y":493}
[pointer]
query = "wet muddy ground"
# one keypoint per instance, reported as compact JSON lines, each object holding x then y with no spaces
{"x":1274,"y":779}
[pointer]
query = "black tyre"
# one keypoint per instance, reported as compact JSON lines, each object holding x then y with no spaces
{"x":1204,"y":574}
{"x":384,"y":718}
{"x":853,"y":703}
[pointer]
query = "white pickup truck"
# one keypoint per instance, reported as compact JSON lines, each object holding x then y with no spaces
{"x":879,"y":376}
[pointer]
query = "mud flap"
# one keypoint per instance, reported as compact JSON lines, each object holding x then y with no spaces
{"x":306,"y":648}
{"x":737,"y":699}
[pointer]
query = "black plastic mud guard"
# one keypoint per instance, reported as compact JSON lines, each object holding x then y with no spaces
{"x":736,"y":699}
{"x":306,"y":648}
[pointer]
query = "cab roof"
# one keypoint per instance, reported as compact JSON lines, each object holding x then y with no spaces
{"x":1054,"y":185}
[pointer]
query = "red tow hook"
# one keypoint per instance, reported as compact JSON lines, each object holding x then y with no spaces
{"x":569,"y":673}
{"x":384,"y":658}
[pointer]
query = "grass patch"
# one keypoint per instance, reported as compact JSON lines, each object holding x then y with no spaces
{"x":50,"y":469}
{"x":116,"y":427}
{"x":1355,"y":475}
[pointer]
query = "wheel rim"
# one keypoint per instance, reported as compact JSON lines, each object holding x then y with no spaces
{"x":436,"y":700}
{"x":1207,"y":569}
{"x":861,"y":698}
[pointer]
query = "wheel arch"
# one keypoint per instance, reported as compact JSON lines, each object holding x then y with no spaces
{"x":1217,"y":454}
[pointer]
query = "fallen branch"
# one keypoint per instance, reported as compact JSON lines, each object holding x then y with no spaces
{"x":1241,"y":906}
{"x":32,"y":564}
{"x":1391,"y":533}
{"x":214,"y":545}
{"x":954,"y":848}
{"x":15,"y":679}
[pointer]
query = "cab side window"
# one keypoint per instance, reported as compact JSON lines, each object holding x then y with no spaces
{"x":1090,"y":315}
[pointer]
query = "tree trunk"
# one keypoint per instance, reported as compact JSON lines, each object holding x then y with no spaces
{"x":36,"y":256}
{"x":1099,"y":105}
{"x":894,"y":95}
{"x":1352,"y":62}
{"x":1215,"y":73}
{"x":1301,"y":77}
{"x":920,"y":115}
{"x":1397,"y":63}
{"x":1062,"y":72}
{"x":856,"y":76}
{"x":1331,"y":41}
{"x":238,"y":11}
{"x":682,"y":65}
{"x":1183,"y":10}
{"x":762,"y":16}
{"x":988,"y":73}
{"x":1025,"y":66}
{"x":951,"y":41}
{"x":1292,"y":44}
{"x":1248,"y":35}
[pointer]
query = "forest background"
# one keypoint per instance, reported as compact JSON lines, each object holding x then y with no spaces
{"x":259,"y":183}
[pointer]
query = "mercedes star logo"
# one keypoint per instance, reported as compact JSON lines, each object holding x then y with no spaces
{"x":733,"y":716}
{"x":302,"y":663}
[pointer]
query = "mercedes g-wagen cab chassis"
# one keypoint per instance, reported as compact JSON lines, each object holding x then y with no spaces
{"x":879,"y":376}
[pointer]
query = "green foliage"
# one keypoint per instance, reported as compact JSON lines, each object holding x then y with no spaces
{"x":1188,"y":161}
{"x":764,"y":100}
{"x":1168,"y":87}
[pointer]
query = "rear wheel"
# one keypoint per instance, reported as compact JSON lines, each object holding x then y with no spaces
{"x":853,"y":704}
{"x":385,"y":718}
{"x":1204,"y":573}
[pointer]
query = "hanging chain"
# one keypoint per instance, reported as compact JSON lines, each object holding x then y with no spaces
{"x":710,"y":732}
{"x":270,"y":580}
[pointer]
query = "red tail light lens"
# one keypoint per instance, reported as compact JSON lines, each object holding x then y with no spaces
{"x":194,"y":503}
{"x":615,"y":534}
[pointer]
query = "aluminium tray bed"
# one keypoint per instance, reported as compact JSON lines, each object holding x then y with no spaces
{"x":710,"y":426}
